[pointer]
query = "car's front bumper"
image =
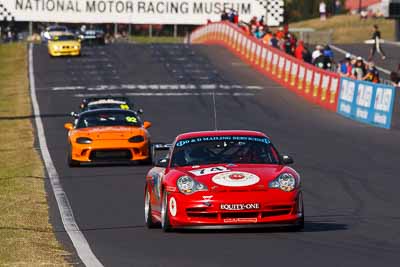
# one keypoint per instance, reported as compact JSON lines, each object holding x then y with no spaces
{"x":66,"y":52}
{"x":240,"y":226}
{"x":275,"y":207}
{"x":110,"y":151}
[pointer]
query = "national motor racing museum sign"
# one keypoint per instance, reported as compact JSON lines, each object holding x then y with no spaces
{"x":128,"y":11}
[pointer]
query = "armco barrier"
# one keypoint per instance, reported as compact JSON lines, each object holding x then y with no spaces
{"x":316,"y":85}
{"x":366,"y":102}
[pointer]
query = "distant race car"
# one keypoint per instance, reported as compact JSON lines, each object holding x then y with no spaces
{"x":108,"y":135}
{"x":92,"y":36}
{"x":52,"y":31}
{"x":106,"y":102}
{"x":223,"y":179}
{"x":64,"y":45}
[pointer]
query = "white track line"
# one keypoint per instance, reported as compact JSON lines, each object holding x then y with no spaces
{"x":71,"y":227}
{"x":340,"y":50}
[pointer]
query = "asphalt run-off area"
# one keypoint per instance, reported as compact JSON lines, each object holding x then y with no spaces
{"x":349,"y":170}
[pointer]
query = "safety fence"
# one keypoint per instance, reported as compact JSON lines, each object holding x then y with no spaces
{"x":316,"y":85}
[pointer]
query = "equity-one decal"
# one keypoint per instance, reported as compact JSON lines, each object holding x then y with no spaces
{"x":248,"y":206}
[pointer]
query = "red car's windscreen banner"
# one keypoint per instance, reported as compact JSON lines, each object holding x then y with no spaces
{"x":316,"y":85}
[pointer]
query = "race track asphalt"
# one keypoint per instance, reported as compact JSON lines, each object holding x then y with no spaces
{"x":350,"y":171}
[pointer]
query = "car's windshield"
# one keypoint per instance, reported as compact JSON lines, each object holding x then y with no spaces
{"x":110,"y":105}
{"x":64,"y":38}
{"x":224,"y":149}
{"x":108,"y":118}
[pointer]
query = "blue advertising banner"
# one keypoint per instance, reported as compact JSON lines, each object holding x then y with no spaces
{"x":366,"y":102}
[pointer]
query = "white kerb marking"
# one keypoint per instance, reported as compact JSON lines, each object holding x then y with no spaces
{"x":71,"y":227}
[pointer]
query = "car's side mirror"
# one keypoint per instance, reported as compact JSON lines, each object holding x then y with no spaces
{"x":140,"y":111}
{"x":287,"y":159}
{"x":146,"y":124}
{"x":68,"y":126}
{"x":162,"y":163}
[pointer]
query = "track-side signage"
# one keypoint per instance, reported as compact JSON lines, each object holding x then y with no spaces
{"x":366,"y":102}
{"x":129,"y":11}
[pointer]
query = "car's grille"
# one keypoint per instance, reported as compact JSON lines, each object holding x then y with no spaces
{"x":201,"y":213}
{"x":277,"y":211}
{"x":106,"y":155}
{"x":269,"y":211}
{"x":233,"y":215}
{"x":65,"y":47}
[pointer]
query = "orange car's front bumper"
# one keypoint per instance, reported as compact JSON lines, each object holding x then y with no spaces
{"x":110,"y":150}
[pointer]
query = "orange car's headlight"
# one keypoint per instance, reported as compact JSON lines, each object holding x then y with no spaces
{"x":83,"y":140}
{"x":136,"y":139}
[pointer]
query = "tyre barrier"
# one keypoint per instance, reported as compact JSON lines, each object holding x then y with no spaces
{"x":358,"y":100}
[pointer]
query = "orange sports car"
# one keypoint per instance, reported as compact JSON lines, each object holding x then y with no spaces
{"x":108,"y":135}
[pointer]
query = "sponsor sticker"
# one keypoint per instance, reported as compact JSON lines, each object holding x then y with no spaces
{"x":222,"y":138}
{"x":247,"y":206}
{"x":208,"y":171}
{"x":235,"y":179}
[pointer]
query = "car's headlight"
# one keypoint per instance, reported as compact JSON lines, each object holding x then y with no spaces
{"x":136,"y":139}
{"x":83,"y":140}
{"x":187,"y":185}
{"x":56,"y":47}
{"x":286,"y":182}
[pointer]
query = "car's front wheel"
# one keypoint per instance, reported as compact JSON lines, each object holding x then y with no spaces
{"x":148,"y":217}
{"x":165,"y":223}
{"x":299,"y":226}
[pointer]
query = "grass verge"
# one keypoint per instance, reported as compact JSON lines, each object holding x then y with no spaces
{"x":156,"y":39}
{"x":27,"y":238}
{"x":349,"y":28}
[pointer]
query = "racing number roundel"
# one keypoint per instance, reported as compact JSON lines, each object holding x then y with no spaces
{"x":172,"y":206}
{"x":236,"y":179}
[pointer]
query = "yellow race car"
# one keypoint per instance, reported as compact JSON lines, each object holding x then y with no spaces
{"x":64,"y":45}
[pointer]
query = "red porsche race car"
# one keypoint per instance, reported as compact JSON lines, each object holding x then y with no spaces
{"x":223,"y":179}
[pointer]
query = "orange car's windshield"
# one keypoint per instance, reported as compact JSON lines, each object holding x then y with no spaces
{"x":108,"y":118}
